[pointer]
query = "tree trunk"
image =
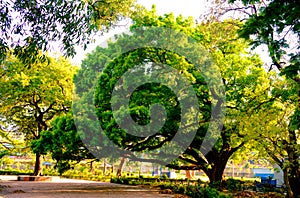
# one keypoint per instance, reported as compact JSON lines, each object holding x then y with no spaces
{"x":295,"y":187}
{"x":293,"y":182}
{"x":122,"y":163}
{"x":287,"y":183}
{"x":92,"y":167}
{"x":293,"y":169}
{"x":104,"y":167}
{"x":215,"y":173}
{"x":38,"y":165}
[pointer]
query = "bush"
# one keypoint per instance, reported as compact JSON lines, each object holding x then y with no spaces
{"x":164,"y":176}
{"x":50,"y":172}
{"x":194,"y":191}
{"x":15,"y":172}
{"x":233,"y":184}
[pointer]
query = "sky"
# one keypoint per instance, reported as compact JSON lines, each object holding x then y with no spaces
{"x":186,"y":8}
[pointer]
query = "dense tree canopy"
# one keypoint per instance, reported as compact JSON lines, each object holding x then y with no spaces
{"x":247,"y":87}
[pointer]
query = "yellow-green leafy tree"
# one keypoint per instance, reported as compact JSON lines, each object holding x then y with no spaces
{"x":32,"y":96}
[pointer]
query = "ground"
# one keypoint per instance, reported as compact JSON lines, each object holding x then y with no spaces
{"x":70,"y":188}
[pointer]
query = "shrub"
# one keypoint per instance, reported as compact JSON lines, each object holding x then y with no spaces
{"x":233,"y":184}
{"x":164,"y":176}
{"x":15,"y":172}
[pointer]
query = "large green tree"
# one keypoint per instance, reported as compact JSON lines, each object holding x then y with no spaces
{"x":247,"y":87}
{"x":245,"y":81}
{"x":31,"y":97}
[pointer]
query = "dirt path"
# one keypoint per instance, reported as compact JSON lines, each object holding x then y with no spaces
{"x":69,"y":188}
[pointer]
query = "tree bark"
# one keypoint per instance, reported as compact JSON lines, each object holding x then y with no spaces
{"x":104,"y":167}
{"x":294,"y":182}
{"x":38,"y":165}
{"x":122,"y":163}
{"x":215,"y":173}
{"x":295,"y":187}
{"x":287,"y":183}
{"x":92,"y":167}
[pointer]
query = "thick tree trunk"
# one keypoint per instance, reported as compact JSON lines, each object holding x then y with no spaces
{"x":215,"y":173}
{"x":295,"y":187}
{"x":38,"y":165}
{"x":122,"y":163}
{"x":293,"y":169}
{"x":294,"y":182}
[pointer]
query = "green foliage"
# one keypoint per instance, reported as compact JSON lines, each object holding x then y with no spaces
{"x":30,"y":25}
{"x":164,"y":176}
{"x":273,"y":25}
{"x":31,"y":97}
{"x":194,"y":191}
{"x":208,"y":192}
{"x":247,"y":86}
{"x":276,"y":24}
{"x":87,"y":175}
{"x":4,"y":153}
{"x":149,"y":93}
{"x":63,"y":142}
{"x":16,"y":172}
{"x":233,"y":184}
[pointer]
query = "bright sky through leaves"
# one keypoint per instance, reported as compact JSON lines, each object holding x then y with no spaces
{"x":193,"y":8}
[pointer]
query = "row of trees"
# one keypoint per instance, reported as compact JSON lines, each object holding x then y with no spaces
{"x":262,"y":105}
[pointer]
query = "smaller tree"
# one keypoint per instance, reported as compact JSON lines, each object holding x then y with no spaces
{"x":32,"y":96}
{"x":275,"y":24}
{"x":272,"y":137}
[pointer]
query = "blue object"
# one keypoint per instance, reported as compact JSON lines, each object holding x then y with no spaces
{"x":263,"y":172}
{"x":268,"y":181}
{"x":154,"y":173}
{"x":264,"y":175}
{"x":47,"y":163}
